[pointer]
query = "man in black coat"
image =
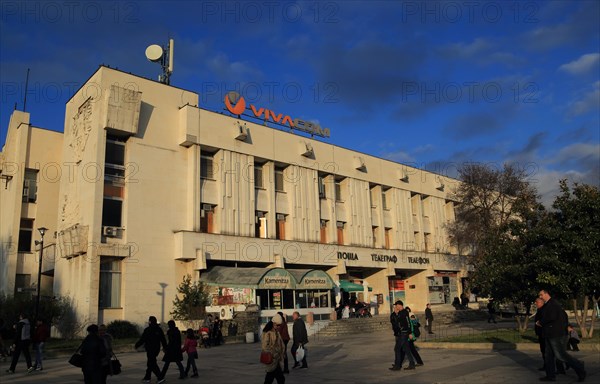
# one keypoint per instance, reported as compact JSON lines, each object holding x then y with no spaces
{"x":402,"y":331}
{"x":299,"y":338}
{"x":93,"y":352}
{"x":539,"y":303}
{"x":554,"y":329}
{"x":152,"y":339}
{"x":429,"y":319}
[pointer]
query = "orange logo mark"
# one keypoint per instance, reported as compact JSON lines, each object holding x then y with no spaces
{"x":238,"y":108}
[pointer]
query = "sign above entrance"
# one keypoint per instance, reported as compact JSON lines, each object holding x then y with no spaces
{"x":236,"y":104}
{"x":277,"y":278}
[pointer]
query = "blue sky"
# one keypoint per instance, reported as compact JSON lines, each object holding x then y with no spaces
{"x":431,"y":84}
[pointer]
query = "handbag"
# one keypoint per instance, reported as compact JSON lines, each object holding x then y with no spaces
{"x":266,"y":357}
{"x":115,"y":365}
{"x":76,"y":359}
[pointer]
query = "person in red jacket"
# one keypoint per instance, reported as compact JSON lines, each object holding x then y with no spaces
{"x":40,"y":335}
{"x":189,"y":345}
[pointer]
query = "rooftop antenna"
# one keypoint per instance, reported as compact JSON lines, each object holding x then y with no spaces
{"x":25,"y":96}
{"x":163,"y":55}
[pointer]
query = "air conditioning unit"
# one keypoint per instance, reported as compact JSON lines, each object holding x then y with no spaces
{"x":225,"y":312}
{"x":280,"y":217}
{"x":340,"y":224}
{"x":207,"y":207}
{"x":242,"y":131}
{"x":110,"y":231}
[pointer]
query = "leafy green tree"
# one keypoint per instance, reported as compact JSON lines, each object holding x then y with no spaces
{"x":194,"y":297}
{"x":569,"y":262}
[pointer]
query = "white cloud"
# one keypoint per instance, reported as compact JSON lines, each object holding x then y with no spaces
{"x":589,"y":101}
{"x":582,"y":65}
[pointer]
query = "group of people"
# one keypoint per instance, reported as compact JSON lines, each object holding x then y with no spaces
{"x":554,"y":334}
{"x":153,"y":339}
{"x":23,"y":338}
{"x":274,"y":341}
{"x":406,"y":329}
{"x":212,"y":331}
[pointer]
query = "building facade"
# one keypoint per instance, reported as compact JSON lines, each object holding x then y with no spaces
{"x":160,"y":188}
{"x":30,"y":172}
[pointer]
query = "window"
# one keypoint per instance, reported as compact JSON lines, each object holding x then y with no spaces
{"x":207,"y":165}
{"x":22,"y":281}
{"x":323,"y":231}
{"x":258,"y":176}
{"x":110,"y":282}
{"x":207,"y":218}
{"x":388,"y":244}
{"x":280,"y":229}
{"x":338,"y":190}
{"x":261,"y":225}
{"x":384,"y":200}
{"x":114,"y":182}
{"x":374,"y":229}
{"x":340,"y":233}
{"x":25,"y":235}
{"x":321,"y":183}
{"x":279,"y":180}
{"x":30,"y":186}
{"x":111,"y":212}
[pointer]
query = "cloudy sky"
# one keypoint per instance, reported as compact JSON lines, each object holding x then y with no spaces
{"x":431,"y":84}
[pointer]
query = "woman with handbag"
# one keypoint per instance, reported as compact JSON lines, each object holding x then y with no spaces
{"x":92,"y":352}
{"x":285,"y":336}
{"x":106,"y":360}
{"x":273,"y":351}
{"x":190,"y":346}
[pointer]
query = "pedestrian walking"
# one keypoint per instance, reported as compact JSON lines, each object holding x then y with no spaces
{"x":3,"y":349}
{"x":554,"y":324}
{"x":217,"y":334}
{"x":271,"y":343}
{"x":429,"y":319}
{"x":173,"y":352}
{"x":491,"y":311}
{"x":572,"y":344}
{"x":539,"y":303}
{"x":40,"y":335}
{"x":152,"y":339}
{"x":415,"y":328}
{"x":92,"y":352}
{"x":300,"y":339}
{"x":189,"y":347}
{"x":401,"y":326}
{"x":22,"y":341}
{"x":285,"y":336}
{"x":108,"y":341}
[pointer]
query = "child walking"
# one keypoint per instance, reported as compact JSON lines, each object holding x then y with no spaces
{"x":189,"y":346}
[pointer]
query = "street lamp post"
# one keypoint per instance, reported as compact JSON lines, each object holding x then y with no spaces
{"x":42,"y":231}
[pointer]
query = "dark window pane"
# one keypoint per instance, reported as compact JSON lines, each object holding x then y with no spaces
{"x":115,"y":153}
{"x":111,"y":213}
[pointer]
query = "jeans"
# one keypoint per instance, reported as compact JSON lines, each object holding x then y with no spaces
{"x":556,"y":349}
{"x":191,"y":363}
{"x":277,"y":374}
{"x":151,"y":367}
{"x":39,"y":350}
{"x":402,"y":349}
{"x":22,"y":346}
{"x":414,"y":352}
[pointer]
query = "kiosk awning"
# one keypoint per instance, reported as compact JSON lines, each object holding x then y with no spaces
{"x":349,"y":286}
{"x":263,"y":278}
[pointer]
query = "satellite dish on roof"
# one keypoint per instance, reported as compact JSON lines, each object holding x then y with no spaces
{"x":154,"y":52}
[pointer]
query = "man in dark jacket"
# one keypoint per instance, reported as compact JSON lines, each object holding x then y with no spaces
{"x":539,"y":303}
{"x":173,"y":352}
{"x":554,"y":329}
{"x":300,"y":338}
{"x":429,"y":319}
{"x":22,"y":341}
{"x":152,"y":338}
{"x":402,"y":331}
{"x":93,"y":352}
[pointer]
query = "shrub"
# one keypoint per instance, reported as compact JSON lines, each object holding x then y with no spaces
{"x":122,"y":329}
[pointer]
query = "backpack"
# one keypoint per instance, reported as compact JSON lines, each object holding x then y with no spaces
{"x":417,"y":329}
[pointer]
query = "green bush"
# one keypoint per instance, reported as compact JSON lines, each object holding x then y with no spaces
{"x":122,"y":329}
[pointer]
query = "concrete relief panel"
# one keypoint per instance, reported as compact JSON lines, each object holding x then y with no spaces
{"x":123,"y":110}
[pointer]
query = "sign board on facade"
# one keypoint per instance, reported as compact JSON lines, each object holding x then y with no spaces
{"x":277,"y":278}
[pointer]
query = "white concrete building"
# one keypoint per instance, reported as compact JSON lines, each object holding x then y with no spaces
{"x":159,"y":188}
